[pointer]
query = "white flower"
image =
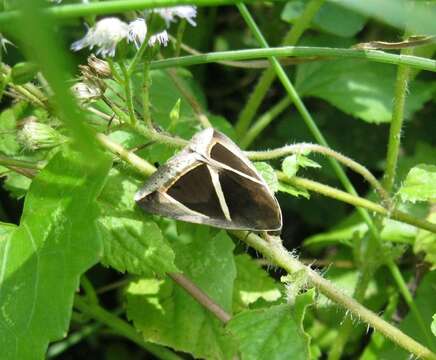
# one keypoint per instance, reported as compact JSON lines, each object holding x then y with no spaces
{"x":137,"y":32}
{"x":161,"y":38}
{"x":35,"y":135}
{"x":189,"y":13}
{"x":105,"y":34}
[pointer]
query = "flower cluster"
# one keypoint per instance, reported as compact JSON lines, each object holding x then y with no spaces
{"x":108,"y":32}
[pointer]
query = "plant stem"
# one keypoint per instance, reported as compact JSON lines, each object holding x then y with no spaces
{"x":275,"y":251}
{"x":298,"y":51}
{"x":262,"y":122}
{"x":128,"y":91}
{"x":7,"y":162}
{"x":146,"y":95}
{"x":307,"y":147}
{"x":396,"y":123}
{"x":180,"y":31}
{"x":201,"y":297}
{"x":356,"y":201}
{"x":291,"y":38}
{"x":123,"y":328}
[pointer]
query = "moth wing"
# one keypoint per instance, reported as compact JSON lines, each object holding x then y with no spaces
{"x":247,"y":195}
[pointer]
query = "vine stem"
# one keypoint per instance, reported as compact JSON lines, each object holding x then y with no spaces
{"x":256,"y":97}
{"x":396,"y":123}
{"x":129,"y":96}
{"x":123,"y":328}
{"x":275,"y":251}
{"x":303,"y":148}
{"x":298,"y":51}
{"x":356,"y":201}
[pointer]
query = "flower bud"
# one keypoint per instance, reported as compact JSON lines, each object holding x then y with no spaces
{"x":86,"y":92}
{"x":99,"y":66}
{"x":35,"y":135}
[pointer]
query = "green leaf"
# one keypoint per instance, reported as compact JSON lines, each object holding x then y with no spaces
{"x":132,"y":240}
{"x":420,"y":184}
{"x":273,"y":333}
{"x":57,"y":241}
{"x":252,"y":283}
{"x":268,"y":174}
{"x":359,"y":88}
{"x":426,"y":242}
{"x":165,"y":314}
{"x":290,"y":165}
{"x":294,"y":191}
{"x":330,"y":18}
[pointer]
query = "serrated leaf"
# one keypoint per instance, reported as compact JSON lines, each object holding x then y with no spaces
{"x":426,"y":242}
{"x":273,"y":333}
{"x":132,"y":240}
{"x":165,"y":314}
{"x":420,"y":184}
{"x":252,"y":283}
{"x":330,"y":18}
{"x":57,"y":241}
{"x":268,"y":174}
{"x":292,"y":190}
{"x":359,"y":88}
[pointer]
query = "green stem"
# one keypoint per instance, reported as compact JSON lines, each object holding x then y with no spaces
{"x":123,"y":328}
{"x":291,"y":38}
{"x":179,"y":37}
{"x":274,"y":251}
{"x":129,"y":96}
{"x":303,"y":148}
{"x":261,"y":123}
{"x":356,"y":201}
{"x":396,"y":123}
{"x":146,"y":96}
{"x":298,"y":51}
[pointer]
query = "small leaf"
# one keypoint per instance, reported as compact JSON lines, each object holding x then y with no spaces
{"x":290,"y":165}
{"x":268,"y":174}
{"x":57,"y":240}
{"x":8,"y":133}
{"x":252,"y":283}
{"x":273,"y":333}
{"x":166,"y":314}
{"x":420,"y":184}
{"x":304,"y":161}
{"x":292,"y":190}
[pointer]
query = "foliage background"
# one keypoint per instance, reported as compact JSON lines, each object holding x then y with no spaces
{"x":352,"y":102}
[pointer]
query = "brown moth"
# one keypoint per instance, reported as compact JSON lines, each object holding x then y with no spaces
{"x":212,"y":182}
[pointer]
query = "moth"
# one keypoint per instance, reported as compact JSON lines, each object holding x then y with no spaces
{"x":212,"y":182}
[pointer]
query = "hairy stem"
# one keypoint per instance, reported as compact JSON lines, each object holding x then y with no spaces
{"x":396,"y":123}
{"x":275,"y":251}
{"x":291,"y":38}
{"x":356,"y":201}
{"x":128,"y":92}
{"x":307,"y":147}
